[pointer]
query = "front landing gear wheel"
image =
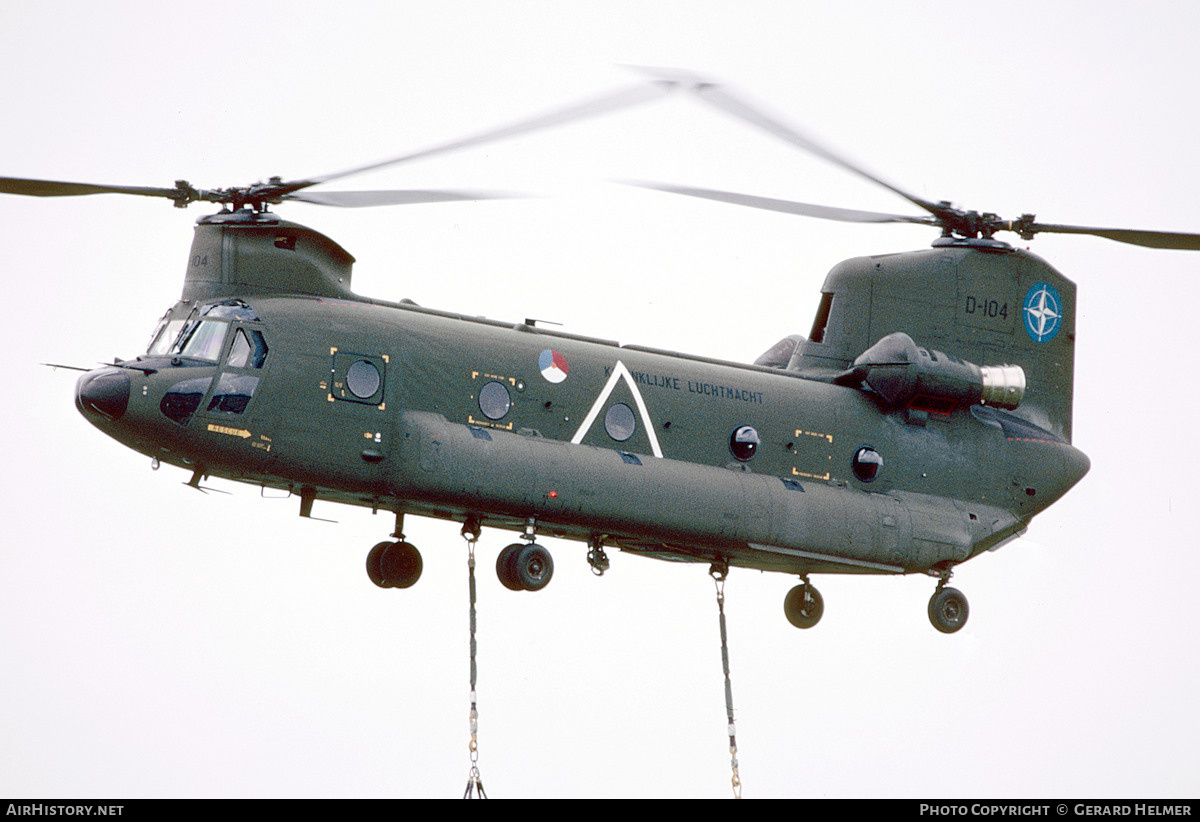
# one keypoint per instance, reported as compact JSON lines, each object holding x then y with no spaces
{"x":394,"y":565}
{"x":803,"y":606}
{"x":532,"y":567}
{"x":524,"y":567}
{"x":504,"y":566}
{"x":948,"y":610}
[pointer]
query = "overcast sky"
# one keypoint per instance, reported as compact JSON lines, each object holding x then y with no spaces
{"x":159,"y":642}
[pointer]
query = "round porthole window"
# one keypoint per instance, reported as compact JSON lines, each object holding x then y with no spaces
{"x":867,"y":463}
{"x":362,"y":378}
{"x":743,"y":442}
{"x":619,"y":422}
{"x":494,"y":400}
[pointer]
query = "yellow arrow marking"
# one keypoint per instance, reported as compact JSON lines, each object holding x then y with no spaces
{"x":224,"y":429}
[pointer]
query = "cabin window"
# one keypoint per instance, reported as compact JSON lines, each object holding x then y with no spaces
{"x":183,"y":398}
{"x":363,"y":379}
{"x":619,"y":422}
{"x":743,"y":443}
{"x":248,"y":350}
{"x":358,"y":378}
{"x":817,"y":334}
{"x":867,"y":463}
{"x":233,"y":393}
{"x":494,"y":400}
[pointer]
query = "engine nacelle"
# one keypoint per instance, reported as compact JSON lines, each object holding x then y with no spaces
{"x":900,"y":371}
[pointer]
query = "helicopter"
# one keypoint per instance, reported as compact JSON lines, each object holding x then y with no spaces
{"x":924,"y":419}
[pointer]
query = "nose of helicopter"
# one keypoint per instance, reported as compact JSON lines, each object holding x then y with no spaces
{"x":103,"y":394}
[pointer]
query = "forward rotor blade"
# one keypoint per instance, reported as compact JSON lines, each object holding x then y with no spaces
{"x":276,"y":189}
{"x":846,"y":215}
{"x":643,"y":92}
{"x":54,"y":188}
{"x":1177,"y":240}
{"x":366,"y":199}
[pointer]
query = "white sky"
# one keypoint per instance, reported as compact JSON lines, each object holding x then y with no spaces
{"x":160,"y":642}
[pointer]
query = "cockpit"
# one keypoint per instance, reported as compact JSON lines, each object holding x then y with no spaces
{"x":202,"y":333}
{"x":223,"y":334}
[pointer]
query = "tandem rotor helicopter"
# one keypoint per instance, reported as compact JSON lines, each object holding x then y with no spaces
{"x":924,"y":419}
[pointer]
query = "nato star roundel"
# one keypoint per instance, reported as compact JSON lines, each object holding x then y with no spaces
{"x":1043,"y":312}
{"x":553,"y":365}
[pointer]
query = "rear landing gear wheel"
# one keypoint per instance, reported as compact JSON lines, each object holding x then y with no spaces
{"x":394,"y":565}
{"x":373,"y":570}
{"x":803,"y":606}
{"x":948,"y":610}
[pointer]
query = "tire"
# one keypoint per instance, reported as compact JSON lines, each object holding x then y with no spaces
{"x":532,"y":567}
{"x":400,"y":565}
{"x":373,"y":567}
{"x":505,"y":570}
{"x":948,"y":610}
{"x":803,"y":606}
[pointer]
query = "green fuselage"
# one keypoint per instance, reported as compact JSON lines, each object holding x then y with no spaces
{"x":406,"y":409}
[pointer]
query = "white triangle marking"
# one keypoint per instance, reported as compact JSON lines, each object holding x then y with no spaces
{"x":619,"y":372}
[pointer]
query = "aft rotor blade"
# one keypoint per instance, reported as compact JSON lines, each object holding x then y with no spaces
{"x":366,"y":199}
{"x":643,"y":92}
{"x":1177,"y":240}
{"x":722,"y":99}
{"x":846,"y":215}
{"x":55,"y":188}
{"x":717,"y":95}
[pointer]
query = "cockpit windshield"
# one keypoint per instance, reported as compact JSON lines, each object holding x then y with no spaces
{"x":230,"y":310}
{"x":165,"y":334}
{"x":202,"y":340}
{"x":200,"y":334}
